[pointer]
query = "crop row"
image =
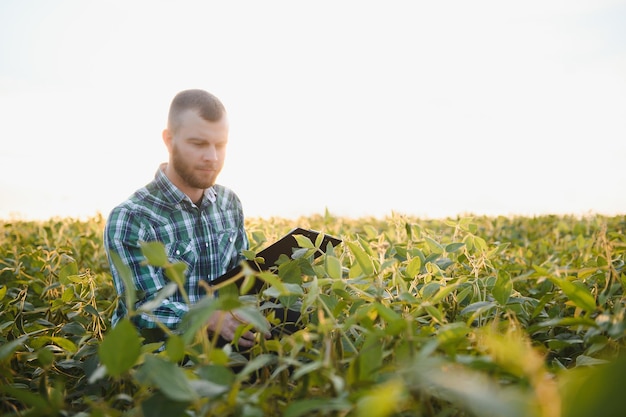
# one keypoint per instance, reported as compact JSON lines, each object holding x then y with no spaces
{"x":408,"y":317}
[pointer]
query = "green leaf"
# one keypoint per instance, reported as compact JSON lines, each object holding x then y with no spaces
{"x":292,"y":272}
{"x":463,"y":294}
{"x":381,"y":401}
{"x":452,"y":333}
{"x":66,"y":271}
{"x":7,"y":349}
{"x":332,"y":265}
{"x":317,"y":406}
{"x":414,"y":266}
{"x":434,"y":246}
{"x":319,"y":239}
{"x":370,"y":358}
{"x":217,"y":374}
{"x":434,"y":312}
{"x":65,"y":344}
{"x":395,"y":322}
{"x":273,"y":281}
{"x":453,"y":247}
{"x":579,"y":295}
{"x":306,"y":369}
{"x":480,"y":243}
{"x":247,"y":284}
{"x":198,"y":315}
{"x":176,"y":272}
{"x":32,"y":399}
{"x":154,"y":253}
{"x":304,"y":242}
{"x":362,"y":258}
{"x":386,"y":313}
{"x":117,"y":359}
{"x":74,"y":328}
{"x":158,"y":405}
{"x":430,"y":289}
{"x":168,"y":377}
{"x":77,"y":278}
{"x":595,"y":390}
{"x":255,"y":364}
{"x":503,"y":288}
{"x":249,"y":254}
{"x":365,"y":245}
{"x":68,"y":295}
{"x":175,"y":348}
{"x":45,"y":357}
{"x":254,"y":317}
{"x":123,"y":270}
{"x":444,"y":292}
{"x":478,"y":307}
{"x":231,"y":290}
{"x":91,"y":310}
{"x":569,"y":322}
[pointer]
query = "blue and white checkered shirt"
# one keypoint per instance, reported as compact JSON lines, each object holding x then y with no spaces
{"x":209,"y":239}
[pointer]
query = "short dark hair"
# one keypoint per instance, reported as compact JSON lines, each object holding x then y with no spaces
{"x":209,"y":107}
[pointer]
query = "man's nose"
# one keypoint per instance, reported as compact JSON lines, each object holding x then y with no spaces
{"x":210,"y":153}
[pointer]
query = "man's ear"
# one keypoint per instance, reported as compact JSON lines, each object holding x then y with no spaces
{"x":167,"y":138}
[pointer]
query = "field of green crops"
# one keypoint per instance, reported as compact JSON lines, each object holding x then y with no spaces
{"x":483,"y":316}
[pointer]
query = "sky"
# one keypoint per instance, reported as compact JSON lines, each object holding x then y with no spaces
{"x":359,"y":108}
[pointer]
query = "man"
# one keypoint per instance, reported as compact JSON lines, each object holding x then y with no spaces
{"x":199,"y":222}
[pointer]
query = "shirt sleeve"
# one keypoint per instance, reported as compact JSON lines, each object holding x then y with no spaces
{"x":124,"y":232}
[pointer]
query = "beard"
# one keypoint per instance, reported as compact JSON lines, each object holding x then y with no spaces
{"x":193,"y":178}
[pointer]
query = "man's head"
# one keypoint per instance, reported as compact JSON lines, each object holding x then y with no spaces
{"x":207,"y":106}
{"x":196,"y":138}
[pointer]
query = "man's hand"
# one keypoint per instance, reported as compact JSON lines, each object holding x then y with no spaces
{"x":226,"y":323}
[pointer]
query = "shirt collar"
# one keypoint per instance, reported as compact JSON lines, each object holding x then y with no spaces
{"x":174,"y":195}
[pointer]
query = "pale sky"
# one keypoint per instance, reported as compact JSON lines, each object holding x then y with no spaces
{"x":364,"y":108}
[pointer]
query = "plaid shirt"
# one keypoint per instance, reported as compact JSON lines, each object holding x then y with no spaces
{"x":209,"y":239}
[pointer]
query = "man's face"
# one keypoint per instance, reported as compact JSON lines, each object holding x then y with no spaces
{"x":197,"y":152}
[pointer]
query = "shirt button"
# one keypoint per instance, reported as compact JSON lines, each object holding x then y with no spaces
{"x":206,"y":244}
{"x":177,"y":252}
{"x":230,"y":239}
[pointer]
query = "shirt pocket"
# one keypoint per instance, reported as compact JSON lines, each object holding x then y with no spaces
{"x":226,"y":240}
{"x":180,"y":251}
